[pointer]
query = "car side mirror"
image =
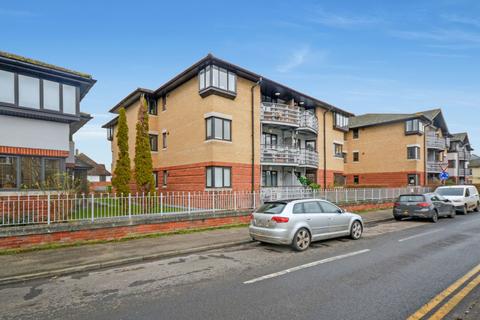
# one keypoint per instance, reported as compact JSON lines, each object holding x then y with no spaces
{"x":340,"y":210}
{"x":446,"y":200}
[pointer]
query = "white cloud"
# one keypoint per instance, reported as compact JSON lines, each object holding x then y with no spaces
{"x":296,"y":59}
{"x":342,"y":21}
{"x":441,"y":35}
{"x":90,"y":133}
{"x":461,"y":20}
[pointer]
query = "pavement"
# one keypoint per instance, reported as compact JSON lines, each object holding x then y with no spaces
{"x":61,"y":261}
{"x":393,"y":272}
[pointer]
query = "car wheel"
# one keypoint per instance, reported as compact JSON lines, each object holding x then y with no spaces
{"x":301,"y":240}
{"x":434,"y":217}
{"x":477,"y":207}
{"x":465,"y":210}
{"x":453,"y":213}
{"x":398,"y":218}
{"x":356,"y":230}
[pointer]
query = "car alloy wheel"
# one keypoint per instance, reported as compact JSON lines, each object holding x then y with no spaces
{"x":465,"y":209}
{"x":356,"y":230}
{"x":453,"y":213}
{"x":477,"y":207}
{"x":434,"y":217}
{"x":301,"y":241}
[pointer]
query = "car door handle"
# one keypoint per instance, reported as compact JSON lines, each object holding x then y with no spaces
{"x":308,"y":219}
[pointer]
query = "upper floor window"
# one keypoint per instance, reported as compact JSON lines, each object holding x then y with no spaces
{"x":110,"y":133}
{"x":269,"y":140}
{"x":356,"y":156}
{"x":340,"y":121}
{"x":153,"y":142}
{"x":218,"y":128}
{"x":28,"y":92}
{"x":355,"y":133}
{"x":338,"y":150}
{"x":152,"y":107}
{"x":164,"y":140}
{"x":51,"y":95}
{"x":413,"y":152}
{"x":214,"y":76}
{"x":7,"y":87}
{"x":414,"y":126}
{"x":69,"y":99}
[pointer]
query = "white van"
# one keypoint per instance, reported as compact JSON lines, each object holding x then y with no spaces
{"x":464,"y":198}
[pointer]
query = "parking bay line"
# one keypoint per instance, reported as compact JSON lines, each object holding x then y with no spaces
{"x":420,"y":235}
{"x":304,"y":266}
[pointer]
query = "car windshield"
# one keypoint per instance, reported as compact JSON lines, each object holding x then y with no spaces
{"x":271,"y":208}
{"x":411,"y":198}
{"x":450,"y":191}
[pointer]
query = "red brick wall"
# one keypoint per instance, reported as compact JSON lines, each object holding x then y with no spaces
{"x":387,"y":179}
{"x":34,"y":152}
{"x":116,"y":232}
{"x":192,"y":177}
{"x":330,"y":177}
{"x":368,"y":206}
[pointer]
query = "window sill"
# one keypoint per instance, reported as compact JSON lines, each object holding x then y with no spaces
{"x":411,"y":133}
{"x":343,"y":129}
{"x":217,"y":189}
{"x":217,"y":140}
{"x":414,"y":159}
{"x":217,"y":91}
{"x":152,"y":151}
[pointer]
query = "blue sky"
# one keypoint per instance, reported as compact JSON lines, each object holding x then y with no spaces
{"x":396,"y":56}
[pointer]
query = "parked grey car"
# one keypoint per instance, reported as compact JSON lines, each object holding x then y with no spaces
{"x":430,"y":206}
{"x":299,"y":222}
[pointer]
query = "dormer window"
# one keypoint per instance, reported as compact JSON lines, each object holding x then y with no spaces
{"x":340,"y":121}
{"x":216,"y":78}
{"x":414,"y":126}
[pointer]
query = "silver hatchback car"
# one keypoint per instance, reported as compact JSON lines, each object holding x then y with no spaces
{"x":299,"y":222}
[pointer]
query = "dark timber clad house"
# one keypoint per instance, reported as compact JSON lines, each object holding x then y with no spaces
{"x":39,"y":113}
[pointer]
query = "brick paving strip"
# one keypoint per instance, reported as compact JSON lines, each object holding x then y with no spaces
{"x":61,"y":261}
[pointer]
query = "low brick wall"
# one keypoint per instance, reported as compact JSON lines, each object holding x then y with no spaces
{"x":35,"y":235}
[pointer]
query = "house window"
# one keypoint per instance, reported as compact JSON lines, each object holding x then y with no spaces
{"x":28,"y":92}
{"x":413,"y":179}
{"x":356,"y":180}
{"x":164,"y":178}
{"x":218,"y":129}
{"x":344,"y":157}
{"x":218,"y":177}
{"x":355,"y":133}
{"x":51,"y":95}
{"x":413,"y":153}
{"x":155,"y":179}
{"x":414,"y":126}
{"x":69,"y":99}
{"x":452,"y":164}
{"x":153,"y":142}
{"x":269,"y":140}
{"x":152,"y":107}
{"x":338,"y":150}
{"x":340,"y":121}
{"x":214,"y":76}
{"x":7,"y":87}
{"x":311,"y":145}
{"x":164,"y":140}
{"x":52,"y":176}
{"x":110,"y":133}
{"x":269,"y":178}
{"x":8,"y":172}
{"x":164,"y":102}
{"x":30,"y":170}
{"x":356,"y":156}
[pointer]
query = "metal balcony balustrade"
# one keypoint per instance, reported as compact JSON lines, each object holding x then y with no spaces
{"x":280,"y":113}
{"x":288,"y":155}
{"x":435,"y":142}
{"x":309,"y":121}
{"x":464,"y":172}
{"x":464,"y":155}
{"x":436,"y":166}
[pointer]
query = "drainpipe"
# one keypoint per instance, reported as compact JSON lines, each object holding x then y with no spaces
{"x":325,"y":148}
{"x":253,"y":131}
{"x":425,"y":151}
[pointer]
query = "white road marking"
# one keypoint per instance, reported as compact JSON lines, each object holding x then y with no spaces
{"x":304,"y":266}
{"x":420,"y":235}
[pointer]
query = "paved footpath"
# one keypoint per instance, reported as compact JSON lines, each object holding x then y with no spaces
{"x":60,"y":261}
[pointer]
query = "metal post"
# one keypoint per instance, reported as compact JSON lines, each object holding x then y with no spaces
{"x":93,"y":207}
{"x":254,"y":201}
{"x":48,"y":208}
{"x":235,"y":200}
{"x":356,"y":198}
{"x":189,"y":203}
{"x":213,"y":201}
{"x":161,"y":203}
{"x":129,"y":205}
{"x":336,"y":195}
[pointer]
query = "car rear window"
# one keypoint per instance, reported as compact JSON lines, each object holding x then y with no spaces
{"x":450,"y":191}
{"x":271,"y":208}
{"x":411,"y":198}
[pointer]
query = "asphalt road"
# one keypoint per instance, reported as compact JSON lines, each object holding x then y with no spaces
{"x":389,"y":274}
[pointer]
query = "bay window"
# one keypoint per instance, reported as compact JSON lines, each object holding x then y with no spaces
{"x":414,"y":126}
{"x":51,"y":95}
{"x":28,"y":92}
{"x":69,"y":99}
{"x":214,"y":76}
{"x":8,"y":172}
{"x":218,"y":129}
{"x":7,"y":87}
{"x":340,"y":121}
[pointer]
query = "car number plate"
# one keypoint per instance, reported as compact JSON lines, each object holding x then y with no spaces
{"x":405,"y":212}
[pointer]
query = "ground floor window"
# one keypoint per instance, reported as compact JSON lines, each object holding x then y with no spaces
{"x":356,"y":180}
{"x":269,"y":178}
{"x":164,"y":178}
{"x":338,"y":179}
{"x":26,"y":172}
{"x":413,"y":179}
{"x":155,"y":179}
{"x":218,"y":177}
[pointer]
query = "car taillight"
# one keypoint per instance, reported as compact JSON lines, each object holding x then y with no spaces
{"x":396,"y":204}
{"x":423,"y":204}
{"x":280,"y":219}
{"x":251,"y":216}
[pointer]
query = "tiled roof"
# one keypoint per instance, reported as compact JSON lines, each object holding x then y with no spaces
{"x":97,"y":168}
{"x":372,"y":119}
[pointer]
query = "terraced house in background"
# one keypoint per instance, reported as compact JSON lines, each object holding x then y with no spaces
{"x":459,"y":156}
{"x":218,"y":126}
{"x":397,"y":149}
{"x":39,"y":113}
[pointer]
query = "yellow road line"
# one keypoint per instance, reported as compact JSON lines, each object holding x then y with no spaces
{"x":426,"y":308}
{"x":455,"y":300}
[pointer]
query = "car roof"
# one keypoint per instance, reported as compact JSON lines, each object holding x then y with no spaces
{"x":285,"y":201}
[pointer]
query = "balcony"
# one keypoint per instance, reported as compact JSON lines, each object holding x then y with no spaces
{"x":464,"y":156}
{"x":464,"y":172}
{"x":436,"y":166}
{"x":308,"y":121}
{"x":281,"y":114}
{"x":308,"y":158}
{"x":434,"y":142}
{"x":288,"y":156}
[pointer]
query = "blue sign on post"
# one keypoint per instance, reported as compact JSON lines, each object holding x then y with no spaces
{"x":443,"y":175}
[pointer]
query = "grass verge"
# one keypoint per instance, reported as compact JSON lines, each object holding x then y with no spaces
{"x":51,"y":246}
